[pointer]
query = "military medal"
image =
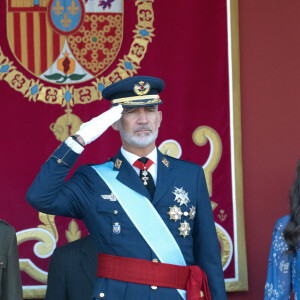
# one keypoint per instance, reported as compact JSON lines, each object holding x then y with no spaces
{"x":175,"y":213}
{"x":145,"y":176}
{"x":181,"y":196}
{"x":192,"y":213}
{"x":184,"y":229}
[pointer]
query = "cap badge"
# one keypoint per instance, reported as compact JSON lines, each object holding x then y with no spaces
{"x":141,"y":88}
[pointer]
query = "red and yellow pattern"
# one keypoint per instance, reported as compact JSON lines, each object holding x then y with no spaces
{"x":96,"y":44}
{"x":34,"y":43}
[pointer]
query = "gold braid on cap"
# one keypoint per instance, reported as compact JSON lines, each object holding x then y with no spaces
{"x":153,"y":99}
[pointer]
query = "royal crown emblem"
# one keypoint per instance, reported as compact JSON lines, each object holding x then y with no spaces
{"x":141,"y":88}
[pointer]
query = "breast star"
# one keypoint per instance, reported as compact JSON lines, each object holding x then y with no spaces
{"x":184,"y":229}
{"x":181,"y":196}
{"x":175,"y":213}
{"x":192,"y":212}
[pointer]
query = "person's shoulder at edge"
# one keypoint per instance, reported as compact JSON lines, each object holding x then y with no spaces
{"x":182,"y":162}
{"x":75,"y":244}
{"x":280,"y":224}
{"x":5,"y":225}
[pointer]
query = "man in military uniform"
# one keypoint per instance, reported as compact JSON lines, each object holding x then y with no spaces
{"x":149,"y":214}
{"x":10,"y":278}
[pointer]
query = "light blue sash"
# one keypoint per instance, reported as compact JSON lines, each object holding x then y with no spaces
{"x":145,"y":218}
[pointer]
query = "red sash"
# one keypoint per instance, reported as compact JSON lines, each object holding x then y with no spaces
{"x":192,"y":279}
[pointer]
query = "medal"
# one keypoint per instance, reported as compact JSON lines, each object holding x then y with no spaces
{"x":181,"y":196}
{"x":175,"y":213}
{"x":192,"y":213}
{"x":145,"y":176}
{"x":184,"y":229}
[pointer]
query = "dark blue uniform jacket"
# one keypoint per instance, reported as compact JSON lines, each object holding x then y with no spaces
{"x":81,"y":197}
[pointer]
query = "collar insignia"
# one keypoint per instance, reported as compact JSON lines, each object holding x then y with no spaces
{"x":118,"y":163}
{"x":141,"y":88}
{"x":165,"y":162}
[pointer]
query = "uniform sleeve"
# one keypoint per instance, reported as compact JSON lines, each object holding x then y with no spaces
{"x":279,"y":277}
{"x":206,"y":246}
{"x":49,"y":193}
{"x":56,"y":283}
{"x":13,"y":282}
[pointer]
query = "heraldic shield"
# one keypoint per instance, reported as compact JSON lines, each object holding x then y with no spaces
{"x":65,"y":41}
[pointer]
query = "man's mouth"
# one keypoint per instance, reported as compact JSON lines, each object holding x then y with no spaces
{"x":143,"y":130}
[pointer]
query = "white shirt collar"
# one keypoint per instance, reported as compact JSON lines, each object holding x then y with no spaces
{"x":131,"y":158}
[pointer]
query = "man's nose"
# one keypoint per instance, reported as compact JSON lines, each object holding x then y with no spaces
{"x":142,"y":117}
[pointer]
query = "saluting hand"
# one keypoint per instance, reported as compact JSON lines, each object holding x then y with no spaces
{"x":91,"y":130}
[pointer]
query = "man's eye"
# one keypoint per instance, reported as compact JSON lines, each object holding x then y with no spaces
{"x":151,"y":109}
{"x":129,"y":111}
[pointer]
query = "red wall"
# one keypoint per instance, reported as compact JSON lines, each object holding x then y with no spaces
{"x":270,"y":100}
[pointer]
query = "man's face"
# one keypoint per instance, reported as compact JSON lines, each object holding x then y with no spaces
{"x":138,"y":126}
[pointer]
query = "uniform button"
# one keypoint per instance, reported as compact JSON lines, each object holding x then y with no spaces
{"x":185,"y":213}
{"x":115,"y":211}
{"x":59,"y":161}
{"x":1,"y":263}
{"x":101,"y":295}
{"x":153,"y":287}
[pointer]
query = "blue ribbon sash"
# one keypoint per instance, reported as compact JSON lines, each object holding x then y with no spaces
{"x":145,"y":218}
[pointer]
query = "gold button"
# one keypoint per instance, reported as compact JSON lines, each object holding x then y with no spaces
{"x":115,"y":211}
{"x":201,"y":294}
{"x":155,"y":260}
{"x":101,"y":295}
{"x":185,"y":213}
{"x":153,"y":287}
{"x":59,"y":161}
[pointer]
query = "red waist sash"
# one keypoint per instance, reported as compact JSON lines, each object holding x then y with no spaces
{"x":192,"y":278}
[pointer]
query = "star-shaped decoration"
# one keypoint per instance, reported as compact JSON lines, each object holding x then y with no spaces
{"x":184,"y":229}
{"x":181,"y":196}
{"x":192,"y":213}
{"x":175,"y":213}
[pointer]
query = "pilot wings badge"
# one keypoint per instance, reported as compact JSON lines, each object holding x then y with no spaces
{"x":110,"y":197}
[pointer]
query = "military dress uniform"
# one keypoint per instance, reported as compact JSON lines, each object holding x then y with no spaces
{"x":181,"y":200}
{"x":10,"y":278}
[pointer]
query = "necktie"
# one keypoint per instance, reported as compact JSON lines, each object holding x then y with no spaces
{"x":144,"y":164}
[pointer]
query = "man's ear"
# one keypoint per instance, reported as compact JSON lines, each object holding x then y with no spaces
{"x":160,"y":117}
{"x":115,"y":126}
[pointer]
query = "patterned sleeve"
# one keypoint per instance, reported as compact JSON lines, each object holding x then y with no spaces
{"x":279,"y":278}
